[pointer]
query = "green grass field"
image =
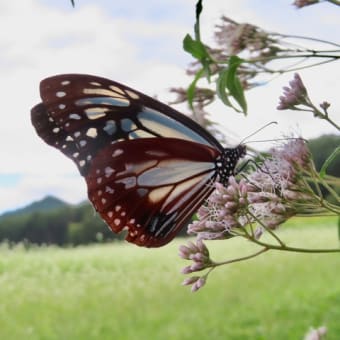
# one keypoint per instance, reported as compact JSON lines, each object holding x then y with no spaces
{"x":120,"y":291}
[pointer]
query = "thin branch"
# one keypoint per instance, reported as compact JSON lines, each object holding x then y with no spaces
{"x":239,"y":259}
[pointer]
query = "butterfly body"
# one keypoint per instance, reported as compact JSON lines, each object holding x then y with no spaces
{"x":147,"y":167}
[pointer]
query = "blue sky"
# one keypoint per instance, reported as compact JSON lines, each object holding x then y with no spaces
{"x":137,"y":43}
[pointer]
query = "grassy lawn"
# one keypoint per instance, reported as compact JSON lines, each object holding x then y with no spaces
{"x":119,"y":291}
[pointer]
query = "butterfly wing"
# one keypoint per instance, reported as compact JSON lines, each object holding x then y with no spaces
{"x":90,"y":119}
{"x":91,"y":112}
{"x":150,"y":187}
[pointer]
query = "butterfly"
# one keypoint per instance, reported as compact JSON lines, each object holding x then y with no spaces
{"x":147,"y":167}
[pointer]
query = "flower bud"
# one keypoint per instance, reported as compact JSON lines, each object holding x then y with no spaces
{"x":190,"y":280}
{"x":258,"y":232}
{"x":198,"y":284}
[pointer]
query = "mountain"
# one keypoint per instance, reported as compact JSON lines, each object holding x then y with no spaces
{"x":53,"y":221}
{"x":48,"y":203}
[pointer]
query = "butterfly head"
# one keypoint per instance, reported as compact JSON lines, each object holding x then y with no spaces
{"x":227,"y":162}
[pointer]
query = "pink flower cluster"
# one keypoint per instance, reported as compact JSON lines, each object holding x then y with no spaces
{"x":235,"y":37}
{"x":199,"y":254}
{"x":267,"y":197}
{"x":293,"y":95}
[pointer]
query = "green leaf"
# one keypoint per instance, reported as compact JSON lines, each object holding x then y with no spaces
{"x":228,"y":80}
{"x":195,"y":48}
{"x":192,"y":87}
{"x":328,"y":161}
{"x":234,"y":84}
{"x":221,"y":85}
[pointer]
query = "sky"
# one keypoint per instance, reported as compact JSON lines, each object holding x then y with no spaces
{"x":137,"y":43}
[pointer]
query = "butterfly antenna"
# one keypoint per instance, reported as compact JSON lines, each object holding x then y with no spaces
{"x":258,"y":130}
{"x":277,"y":139}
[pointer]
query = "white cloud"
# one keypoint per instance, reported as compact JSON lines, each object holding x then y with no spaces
{"x":37,"y":41}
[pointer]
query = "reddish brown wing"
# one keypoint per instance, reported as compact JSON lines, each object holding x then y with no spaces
{"x":147,"y":166}
{"x":150,"y":186}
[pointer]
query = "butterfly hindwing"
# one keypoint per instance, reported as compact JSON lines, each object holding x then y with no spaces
{"x":150,"y":187}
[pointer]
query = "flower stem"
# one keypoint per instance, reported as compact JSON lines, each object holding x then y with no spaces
{"x":239,"y":259}
{"x":267,"y":229}
{"x":293,"y":249}
{"x":324,"y":116}
{"x":310,"y":38}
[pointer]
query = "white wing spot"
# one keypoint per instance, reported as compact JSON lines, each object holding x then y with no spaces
{"x":99,"y":180}
{"x":99,"y":192}
{"x":110,"y":127}
{"x":76,"y":154}
{"x":97,"y":171}
{"x":69,"y":139}
{"x":110,"y":214}
{"x":109,"y":190}
{"x":74,"y":116}
{"x":94,"y":83}
{"x":56,"y":130}
{"x":60,"y":94}
{"x":117,"y":152}
{"x":132,"y":221}
{"x":117,"y":89}
{"x":101,"y":92}
{"x":108,"y":171}
{"x":82,"y":163}
{"x":123,"y":213}
{"x":95,"y":112}
{"x":156,"y":153}
{"x":132,"y":94}
{"x":133,"y":233}
{"x":129,"y":182}
{"x":88,"y":158}
{"x":65,"y":82}
{"x":104,"y":200}
{"x":118,"y":207}
{"x":82,"y":143}
{"x":92,"y":132}
{"x":61,"y":106}
{"x":116,"y":221}
{"x":67,"y":124}
{"x":77,"y":134}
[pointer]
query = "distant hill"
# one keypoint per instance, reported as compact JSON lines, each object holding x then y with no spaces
{"x":49,"y":203}
{"x":53,"y":221}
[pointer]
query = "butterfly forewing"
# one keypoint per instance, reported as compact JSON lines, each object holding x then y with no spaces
{"x":113,"y":111}
{"x":147,"y":166}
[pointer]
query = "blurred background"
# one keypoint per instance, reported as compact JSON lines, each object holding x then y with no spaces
{"x":140,"y":45}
